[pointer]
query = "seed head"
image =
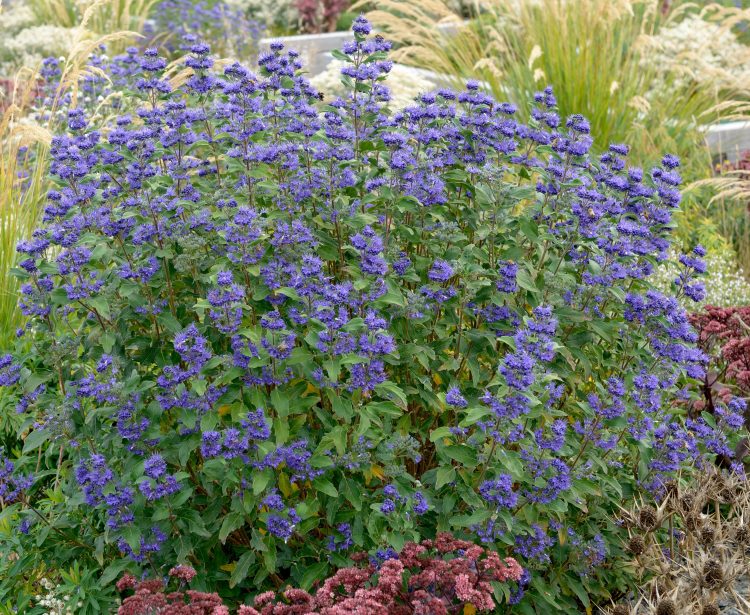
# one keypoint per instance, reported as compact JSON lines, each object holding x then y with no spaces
{"x":636,"y":545}
{"x":742,"y":534}
{"x":713,"y":574}
{"x":727,"y":495}
{"x":621,"y":609}
{"x":692,"y":522}
{"x":647,"y":518}
{"x":666,"y":607}
{"x":671,"y":488}
{"x":711,"y":609}
{"x":687,"y":502}
{"x":708,"y":535}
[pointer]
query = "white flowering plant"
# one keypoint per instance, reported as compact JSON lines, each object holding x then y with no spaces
{"x":727,"y":284}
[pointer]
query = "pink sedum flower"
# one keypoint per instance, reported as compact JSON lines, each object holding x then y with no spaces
{"x":434,"y":577}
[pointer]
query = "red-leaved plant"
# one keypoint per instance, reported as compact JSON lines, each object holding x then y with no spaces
{"x":320,"y":15}
{"x":738,"y":167}
{"x":725,"y":337}
{"x":435,"y":577}
{"x":150,"y":596}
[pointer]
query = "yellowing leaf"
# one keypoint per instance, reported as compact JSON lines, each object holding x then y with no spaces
{"x":224,"y":410}
{"x":285,"y":485}
{"x":377,"y":471}
{"x":438,"y":380}
{"x":469,"y":609}
{"x":229,"y":567}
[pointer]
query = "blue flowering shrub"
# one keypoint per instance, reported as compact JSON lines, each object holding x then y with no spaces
{"x":264,"y":334}
{"x":176,"y":24}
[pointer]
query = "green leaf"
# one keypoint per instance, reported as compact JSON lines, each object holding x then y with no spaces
{"x":107,"y":341}
{"x":461,"y":453}
{"x":579,"y":590}
{"x":113,"y":571}
{"x":325,"y":486}
{"x":341,"y":407}
{"x":186,"y":446}
{"x":340,"y":55}
{"x":214,"y":469}
{"x":524,"y":281}
{"x":242,"y":568}
{"x":469,"y":520}
{"x":35,"y":379}
{"x":232,"y":521}
{"x":289,"y":292}
{"x":394,"y":392}
{"x":529,"y":228}
{"x":35,"y":439}
{"x":101,"y":305}
{"x":269,"y":559}
{"x":545,"y":592}
{"x":392,"y":297}
{"x":339,"y":437}
{"x":261,"y":480}
{"x":439,"y":433}
{"x":313,"y":573}
{"x":196,"y":524}
{"x":607,"y":331}
{"x":280,"y":402}
{"x":199,"y":386}
{"x":474,"y":415}
{"x":281,"y":430}
{"x":169,"y":322}
{"x":445,"y":475}
{"x":132,"y":536}
{"x":351,"y":492}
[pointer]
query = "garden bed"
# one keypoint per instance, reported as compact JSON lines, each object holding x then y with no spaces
{"x":334,"y":345}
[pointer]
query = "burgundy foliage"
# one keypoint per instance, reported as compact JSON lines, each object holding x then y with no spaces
{"x":149,"y":597}
{"x":741,"y":164}
{"x":320,"y":15}
{"x":725,"y":337}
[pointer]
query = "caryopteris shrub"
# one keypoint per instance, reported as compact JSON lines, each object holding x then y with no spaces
{"x":264,"y":333}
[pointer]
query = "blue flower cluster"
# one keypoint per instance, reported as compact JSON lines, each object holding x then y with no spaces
{"x":177,"y":24}
{"x":12,"y":483}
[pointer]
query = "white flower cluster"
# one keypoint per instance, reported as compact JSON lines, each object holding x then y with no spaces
{"x":15,"y":18}
{"x":22,"y":43}
{"x":54,"y":604}
{"x":725,"y":282}
{"x":41,"y":41}
{"x":405,"y":83}
{"x":702,"y":51}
